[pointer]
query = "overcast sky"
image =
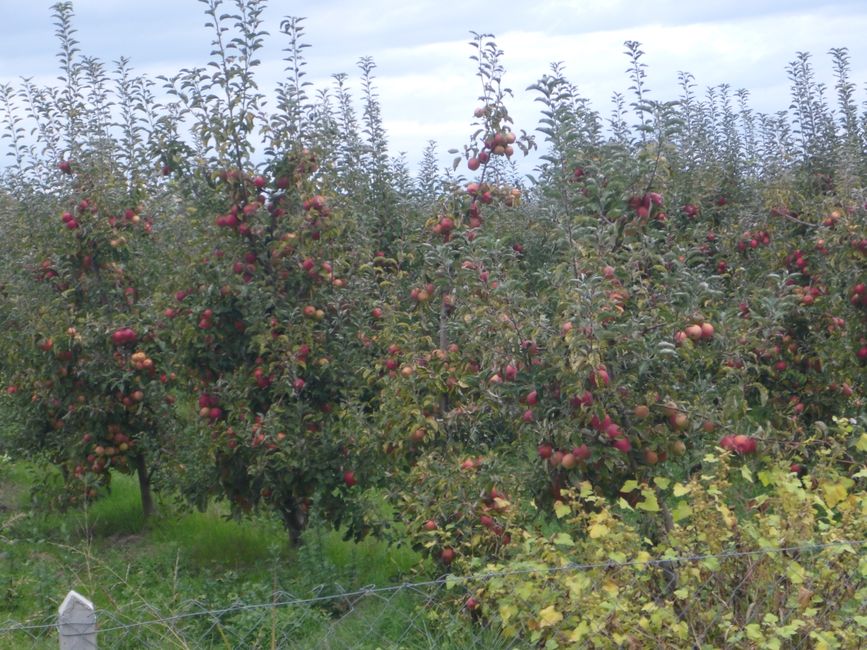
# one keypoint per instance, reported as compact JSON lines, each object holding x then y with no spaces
{"x":426,"y":82}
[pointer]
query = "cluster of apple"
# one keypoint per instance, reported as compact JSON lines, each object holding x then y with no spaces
{"x":858,"y":295}
{"x":311,"y":312}
{"x":130,"y":218}
{"x":295,"y":168}
{"x":130,"y":400}
{"x":69,"y":220}
{"x":494,"y":502}
{"x":238,"y":217}
{"x":472,"y":463}
{"x":831,"y":220}
{"x":124,"y":336}
{"x":46,"y":271}
{"x":808,"y":295}
{"x":739,"y":444}
{"x":860,"y":245}
{"x":695,"y":332}
{"x":261,"y":380}
{"x":141,"y":361}
{"x":564,"y":458}
{"x":444,"y":225}
{"x":647,"y":204}
{"x":246,"y":267}
{"x":690,"y":210}
{"x":422,"y":294}
{"x":493,"y":144}
{"x":209,"y":407}
{"x":753,"y":239}
{"x":796,"y":262}
{"x":324,"y":272}
{"x":614,"y":432}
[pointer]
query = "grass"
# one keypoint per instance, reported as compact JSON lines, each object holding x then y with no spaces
{"x":188,"y":562}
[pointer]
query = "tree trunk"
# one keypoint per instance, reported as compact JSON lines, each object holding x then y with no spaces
{"x":295,"y":519}
{"x":144,"y":484}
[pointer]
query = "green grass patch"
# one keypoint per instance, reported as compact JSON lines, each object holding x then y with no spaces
{"x":136,"y":569}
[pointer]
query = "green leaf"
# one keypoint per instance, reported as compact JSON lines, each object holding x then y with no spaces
{"x":754,"y":632}
{"x":563,"y":539}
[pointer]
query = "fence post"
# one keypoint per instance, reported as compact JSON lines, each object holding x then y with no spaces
{"x":76,"y":623}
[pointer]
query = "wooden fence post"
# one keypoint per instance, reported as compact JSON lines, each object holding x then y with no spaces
{"x":76,"y":623}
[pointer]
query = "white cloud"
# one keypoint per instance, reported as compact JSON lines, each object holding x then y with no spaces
{"x":425,"y":80}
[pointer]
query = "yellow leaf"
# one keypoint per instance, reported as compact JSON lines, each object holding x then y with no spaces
{"x":611,"y":588}
{"x":549,"y":616}
{"x":661,"y":482}
{"x":746,"y":473}
{"x":579,"y":632}
{"x":650,"y":504}
{"x":598,"y":530}
{"x":681,"y":511}
{"x":629,"y":486}
{"x":861,"y":445}
{"x":507,"y":611}
{"x":795,"y":572}
{"x":834,"y":493}
{"x":680,"y":490}
{"x":561,"y":509}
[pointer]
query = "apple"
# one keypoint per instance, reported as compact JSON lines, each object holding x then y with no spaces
{"x":473,"y":164}
{"x":447,"y":555}
{"x":678,"y":420}
{"x":429,"y":525}
{"x":569,"y":461}
{"x":532,"y":398}
{"x":349,"y":478}
{"x":582,"y":452}
{"x":641,"y":411}
{"x":622,"y":445}
{"x":707,"y":331}
{"x":693,"y":332}
{"x":545,"y":450}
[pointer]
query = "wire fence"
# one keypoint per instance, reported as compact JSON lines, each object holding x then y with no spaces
{"x":789,"y":597}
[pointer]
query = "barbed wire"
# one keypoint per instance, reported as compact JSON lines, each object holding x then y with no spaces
{"x":450,"y":580}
